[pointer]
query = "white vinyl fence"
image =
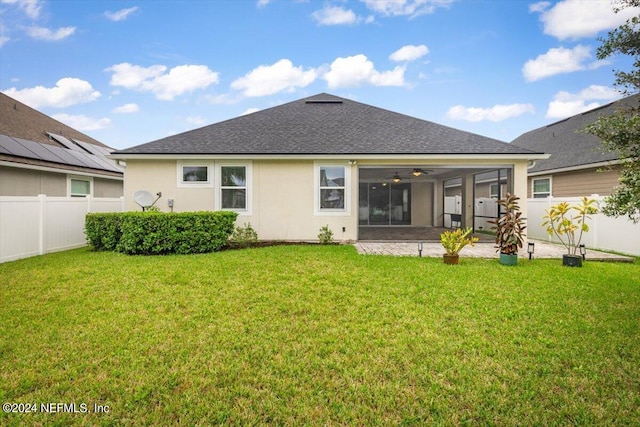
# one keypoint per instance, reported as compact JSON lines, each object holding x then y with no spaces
{"x":616,"y":234}
{"x":38,"y":225}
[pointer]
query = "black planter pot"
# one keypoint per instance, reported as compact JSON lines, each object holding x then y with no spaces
{"x":572,"y":260}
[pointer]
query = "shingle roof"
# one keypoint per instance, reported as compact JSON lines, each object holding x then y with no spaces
{"x":27,"y":137}
{"x":324,"y":124}
{"x":567,"y":145}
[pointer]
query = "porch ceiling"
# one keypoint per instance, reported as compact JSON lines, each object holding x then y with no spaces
{"x":385,"y":173}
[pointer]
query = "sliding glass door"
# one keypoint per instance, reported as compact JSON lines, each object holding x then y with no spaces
{"x":385,"y":203}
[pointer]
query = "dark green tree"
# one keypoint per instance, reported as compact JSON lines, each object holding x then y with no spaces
{"x":621,"y":131}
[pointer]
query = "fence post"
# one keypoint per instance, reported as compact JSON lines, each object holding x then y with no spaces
{"x":42,"y":200}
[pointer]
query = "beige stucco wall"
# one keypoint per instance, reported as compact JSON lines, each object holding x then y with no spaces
{"x":282,"y":194}
{"x":422,"y":204}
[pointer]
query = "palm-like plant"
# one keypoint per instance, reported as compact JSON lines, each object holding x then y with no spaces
{"x":565,"y":226}
{"x":510,"y":226}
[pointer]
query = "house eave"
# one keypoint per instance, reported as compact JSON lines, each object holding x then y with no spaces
{"x":575,"y":168}
{"x":347,"y":156}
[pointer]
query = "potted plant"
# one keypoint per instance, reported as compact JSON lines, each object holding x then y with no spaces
{"x":569,"y":228}
{"x":509,"y":228}
{"x":453,"y":241}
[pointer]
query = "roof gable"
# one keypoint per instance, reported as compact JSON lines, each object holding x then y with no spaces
{"x":324,"y":125}
{"x":568,"y":146}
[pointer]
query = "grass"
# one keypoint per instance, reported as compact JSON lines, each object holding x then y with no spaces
{"x":318,"y":335}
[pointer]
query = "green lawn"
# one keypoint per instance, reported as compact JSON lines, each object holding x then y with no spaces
{"x":318,"y":335}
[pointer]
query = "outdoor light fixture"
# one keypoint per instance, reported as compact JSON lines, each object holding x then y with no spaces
{"x":583,"y":251}
{"x":420,"y":249}
{"x":531,"y":247}
{"x":396,"y":177}
{"x":416,"y":172}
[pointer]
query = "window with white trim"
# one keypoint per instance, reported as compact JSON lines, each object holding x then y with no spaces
{"x":494,"y":190}
{"x":233,"y":187}
{"x":79,"y":187}
{"x":194,"y":175}
{"x":332,"y":190}
{"x":541,"y":187}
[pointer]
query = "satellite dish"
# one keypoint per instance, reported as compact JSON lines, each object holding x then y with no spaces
{"x":145,"y":199}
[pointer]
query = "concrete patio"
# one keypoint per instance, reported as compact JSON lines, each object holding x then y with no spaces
{"x":480,"y":250}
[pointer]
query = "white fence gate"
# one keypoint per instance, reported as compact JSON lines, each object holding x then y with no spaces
{"x":38,"y":225}
{"x":615,"y":234}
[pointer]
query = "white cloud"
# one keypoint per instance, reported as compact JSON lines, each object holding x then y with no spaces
{"x":263,"y":3}
{"x":196,"y":120}
{"x":68,"y":91}
{"x":250,"y":111}
{"x":559,"y":61}
{"x":120,"y":15}
{"x":127,"y":108}
{"x":573,"y":19}
{"x":409,"y":53}
{"x":30,"y":7}
{"x":334,"y":15}
{"x":42,"y":33}
{"x":3,"y":40}
{"x":166,"y":86}
{"x":405,"y":7}
{"x":540,"y":6}
{"x":566,"y":104}
{"x":357,"y":70}
{"x":82,"y":123}
{"x":271,"y":79}
{"x":497,"y":113}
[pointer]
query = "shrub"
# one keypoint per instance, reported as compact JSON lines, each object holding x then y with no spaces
{"x":154,"y":233}
{"x":244,"y":236}
{"x":326,"y":235}
{"x":103,"y":230}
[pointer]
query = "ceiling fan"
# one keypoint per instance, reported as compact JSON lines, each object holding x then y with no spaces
{"x":415,"y":172}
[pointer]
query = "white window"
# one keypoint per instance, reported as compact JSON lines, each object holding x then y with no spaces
{"x":332,"y":192}
{"x":195,"y":175}
{"x":79,"y":186}
{"x":494,"y":189}
{"x":234,"y":187}
{"x":541,"y":187}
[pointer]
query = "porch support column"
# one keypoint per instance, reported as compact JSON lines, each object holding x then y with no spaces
{"x":467,"y":201}
{"x":520,"y":186}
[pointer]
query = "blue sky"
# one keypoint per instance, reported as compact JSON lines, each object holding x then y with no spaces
{"x":129,"y":72}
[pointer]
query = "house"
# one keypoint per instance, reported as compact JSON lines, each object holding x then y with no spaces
{"x":578,"y":164}
{"x":323,"y":160}
{"x":40,"y":155}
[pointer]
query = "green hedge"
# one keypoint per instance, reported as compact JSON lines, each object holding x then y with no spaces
{"x":155,"y":233}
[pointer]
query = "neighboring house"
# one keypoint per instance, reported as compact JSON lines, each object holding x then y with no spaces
{"x":578,"y":164}
{"x":40,"y":155}
{"x":322,"y":160}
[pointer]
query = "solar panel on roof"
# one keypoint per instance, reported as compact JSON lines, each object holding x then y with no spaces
{"x":2,"y":149}
{"x":86,"y":159}
{"x":12,"y":146}
{"x":63,"y":153}
{"x":88,"y":147}
{"x":64,"y":141}
{"x":39,"y":150}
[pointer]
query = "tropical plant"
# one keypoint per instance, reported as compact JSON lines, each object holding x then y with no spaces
{"x":326,"y":235}
{"x":568,"y":227}
{"x":454,"y":240}
{"x":509,"y":227}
